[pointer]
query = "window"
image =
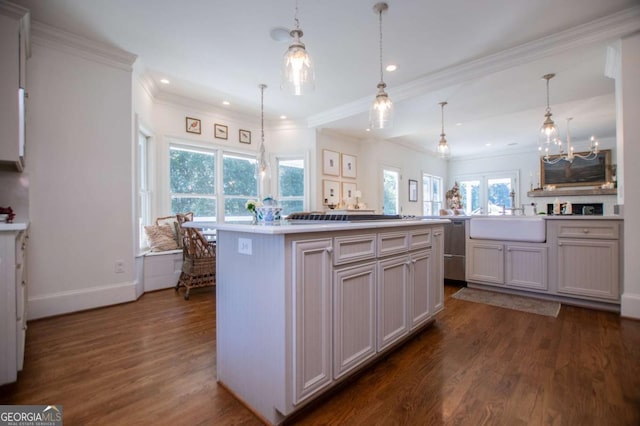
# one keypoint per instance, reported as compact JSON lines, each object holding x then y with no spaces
{"x":239,"y":185}
{"x":291,"y":185}
{"x":487,"y":194}
{"x":431,"y":194}
{"x":391,"y":185}
{"x":192,"y":182}
{"x":143,"y":204}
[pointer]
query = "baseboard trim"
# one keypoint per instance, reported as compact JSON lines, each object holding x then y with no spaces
{"x":630,"y":305}
{"x":79,"y":300}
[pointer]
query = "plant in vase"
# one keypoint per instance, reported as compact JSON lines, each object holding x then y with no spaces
{"x":252,"y":206}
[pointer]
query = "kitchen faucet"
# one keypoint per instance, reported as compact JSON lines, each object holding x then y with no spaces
{"x":512,"y":209}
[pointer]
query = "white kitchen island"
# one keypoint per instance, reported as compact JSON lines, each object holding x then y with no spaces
{"x":301,"y":307}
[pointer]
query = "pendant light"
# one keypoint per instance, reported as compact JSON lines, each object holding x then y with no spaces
{"x":570,"y":154}
{"x":262,"y":165}
{"x":381,"y":113}
{"x":548,"y":130}
{"x":297,"y":69}
{"x":443,"y":147}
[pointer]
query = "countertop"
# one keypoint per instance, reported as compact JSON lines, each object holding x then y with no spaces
{"x":16,"y":226}
{"x":285,"y":227}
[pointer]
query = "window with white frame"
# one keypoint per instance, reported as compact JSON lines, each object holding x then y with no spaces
{"x":143,"y":204}
{"x":291,"y":178}
{"x":488,"y":193}
{"x":192,"y":181}
{"x":240,"y":184}
{"x":431,"y":194}
{"x":391,"y":190}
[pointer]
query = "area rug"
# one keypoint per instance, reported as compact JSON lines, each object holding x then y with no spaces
{"x":518,"y":303}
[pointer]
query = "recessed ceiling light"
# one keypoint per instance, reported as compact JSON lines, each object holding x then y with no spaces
{"x":513,"y":143}
{"x":391,"y":68}
{"x":226,"y":103}
{"x":283,"y":117}
{"x":280,"y":34}
{"x":458,"y":124}
{"x":487,"y":144}
{"x":164,"y":81}
{"x":367,"y":129}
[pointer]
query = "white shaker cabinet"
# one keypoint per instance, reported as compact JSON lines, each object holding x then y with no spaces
{"x":13,"y":313}
{"x":14,"y":50}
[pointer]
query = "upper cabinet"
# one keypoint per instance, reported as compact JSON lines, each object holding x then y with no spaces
{"x":14,"y":51}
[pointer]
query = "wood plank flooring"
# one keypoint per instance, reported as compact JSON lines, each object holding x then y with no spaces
{"x":153,"y":362}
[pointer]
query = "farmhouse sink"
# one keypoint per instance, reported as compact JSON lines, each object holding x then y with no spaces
{"x":508,"y":228}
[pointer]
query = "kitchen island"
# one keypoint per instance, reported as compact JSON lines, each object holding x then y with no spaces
{"x":301,"y":307}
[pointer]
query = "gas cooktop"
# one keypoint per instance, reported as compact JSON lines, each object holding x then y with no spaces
{"x":341,"y":217}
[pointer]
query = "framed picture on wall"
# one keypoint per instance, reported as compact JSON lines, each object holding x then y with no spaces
{"x":244,"y":136}
{"x":330,"y":163}
{"x":348,"y":190}
{"x":349,"y":166}
{"x":220,"y":131}
{"x":579,"y":172}
{"x":193,"y":125}
{"x":330,"y":192}
{"x":413,"y":190}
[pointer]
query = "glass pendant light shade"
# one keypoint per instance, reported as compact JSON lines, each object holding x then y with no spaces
{"x":381,"y":113}
{"x":548,"y":130}
{"x":263,"y":169}
{"x":298,"y":76}
{"x":443,"y":146}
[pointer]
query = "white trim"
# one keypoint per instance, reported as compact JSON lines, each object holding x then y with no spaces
{"x":630,"y":305}
{"x":65,"y":302}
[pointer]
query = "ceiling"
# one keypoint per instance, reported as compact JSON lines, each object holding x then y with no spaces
{"x":485,"y":58}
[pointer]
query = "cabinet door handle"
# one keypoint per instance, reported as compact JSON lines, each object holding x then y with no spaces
{"x":585,"y":231}
{"x":560,"y":243}
{"x":329,"y":250}
{"x":437,"y":234}
{"x":500,"y":249}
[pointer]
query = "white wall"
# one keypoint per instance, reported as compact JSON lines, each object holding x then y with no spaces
{"x":79,"y":167}
{"x":630,"y":81}
{"x":372,"y":155}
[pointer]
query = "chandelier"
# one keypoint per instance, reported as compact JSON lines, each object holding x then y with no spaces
{"x":443,"y":147}
{"x":297,"y":69}
{"x":569,"y":155}
{"x":381,"y":112}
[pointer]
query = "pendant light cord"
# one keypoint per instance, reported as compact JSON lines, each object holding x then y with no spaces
{"x":295,"y":17}
{"x":380,"y":21}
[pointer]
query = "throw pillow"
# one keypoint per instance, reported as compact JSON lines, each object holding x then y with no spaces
{"x":161,"y":237}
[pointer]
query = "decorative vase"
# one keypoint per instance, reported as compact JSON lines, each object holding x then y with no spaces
{"x":268,"y":215}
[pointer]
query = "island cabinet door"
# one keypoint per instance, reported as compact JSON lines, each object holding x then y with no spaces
{"x":311,"y":317}
{"x":354,"y":313}
{"x":419,"y":283}
{"x":393,"y":287}
{"x":436,"y":284}
{"x":485,"y":262}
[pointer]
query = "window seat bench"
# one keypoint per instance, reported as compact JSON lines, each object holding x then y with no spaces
{"x":161,"y":269}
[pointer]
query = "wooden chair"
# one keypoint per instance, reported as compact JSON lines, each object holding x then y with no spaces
{"x":198,"y":260}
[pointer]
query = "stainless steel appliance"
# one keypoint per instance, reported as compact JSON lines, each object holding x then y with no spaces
{"x":454,"y":249}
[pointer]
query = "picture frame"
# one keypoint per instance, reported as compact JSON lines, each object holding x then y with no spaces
{"x":348,"y":190}
{"x":220,"y":131}
{"x":579,"y":172}
{"x":330,"y":192}
{"x":330,"y":163}
{"x":244,"y":136}
{"x":349,"y":166}
{"x":413,"y":190}
{"x":193,"y":125}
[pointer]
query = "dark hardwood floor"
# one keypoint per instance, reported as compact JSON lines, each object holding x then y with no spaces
{"x":153,"y":362}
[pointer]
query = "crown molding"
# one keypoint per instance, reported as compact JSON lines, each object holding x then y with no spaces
{"x":48,"y":36}
{"x":604,"y":29}
{"x":13,"y":10}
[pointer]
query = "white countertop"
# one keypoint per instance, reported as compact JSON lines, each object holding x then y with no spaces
{"x":549,"y":217}
{"x":311,"y":226}
{"x":16,"y":226}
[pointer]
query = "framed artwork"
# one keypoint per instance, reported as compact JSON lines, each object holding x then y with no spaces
{"x":348,"y":190}
{"x":413,"y":190}
{"x":330,"y":163}
{"x":349,"y":166}
{"x":244,"y":136}
{"x":220,"y":131}
{"x":580,"y":172}
{"x":330,"y":192}
{"x":193,"y":125}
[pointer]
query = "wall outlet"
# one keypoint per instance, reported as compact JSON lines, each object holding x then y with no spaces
{"x":244,"y":246}
{"x":119,"y":266}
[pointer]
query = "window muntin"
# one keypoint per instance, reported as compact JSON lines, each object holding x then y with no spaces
{"x":193,"y":182}
{"x":291,"y":177}
{"x":240,"y":184}
{"x":487,"y":194}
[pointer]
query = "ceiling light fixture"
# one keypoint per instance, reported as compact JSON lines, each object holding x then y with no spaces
{"x":297,"y":69}
{"x":381,"y":113}
{"x":443,"y":147}
{"x":570,"y":155}
{"x":548,"y":130}
{"x":391,"y":68}
{"x":164,"y":81}
{"x":263,"y":162}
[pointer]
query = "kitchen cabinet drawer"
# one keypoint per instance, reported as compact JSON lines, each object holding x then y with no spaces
{"x":419,"y":239}
{"x":392,"y":243}
{"x":352,"y":249}
{"x":589,"y":229}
